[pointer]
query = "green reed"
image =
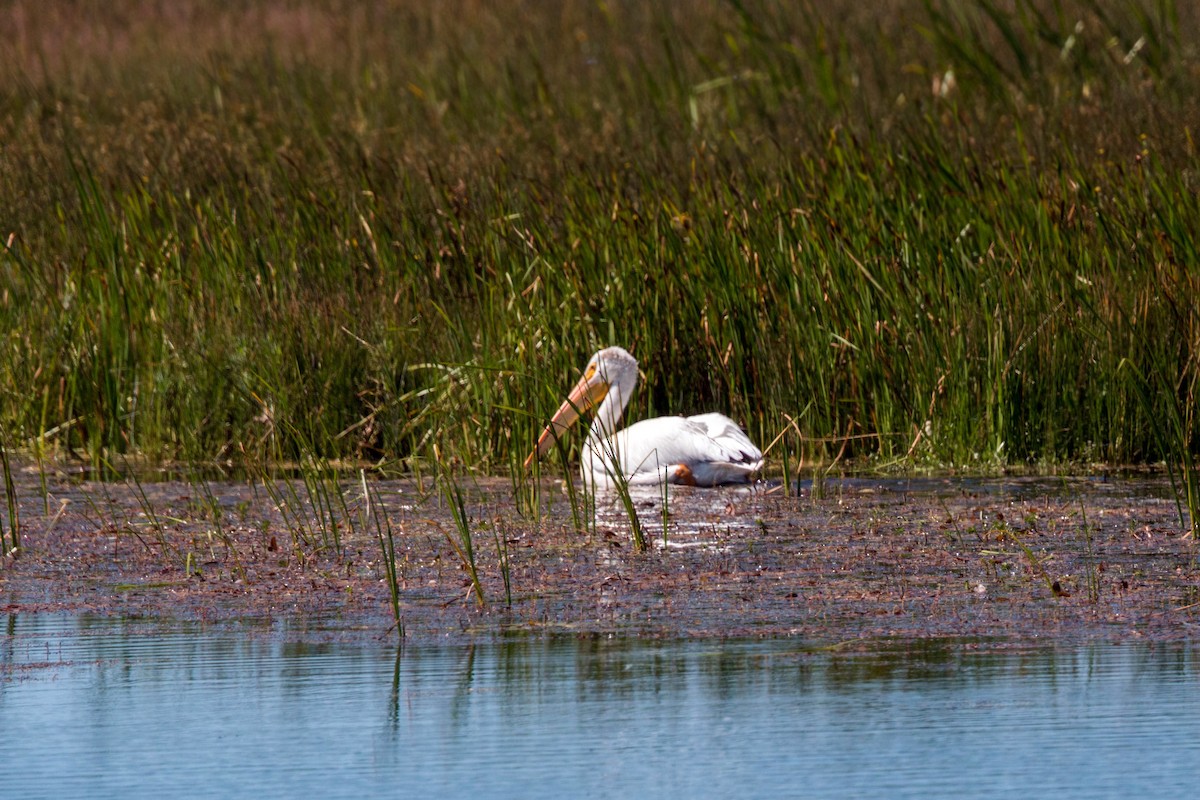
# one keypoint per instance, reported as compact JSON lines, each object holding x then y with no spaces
{"x":1091,"y":567}
{"x":462,"y":540}
{"x":1035,"y":564}
{"x":580,"y":495}
{"x":919,"y":217}
{"x":1174,"y":434}
{"x":327,"y":501}
{"x":148,"y":510}
{"x":13,"y":544}
{"x":387,"y":546}
{"x":293,"y":513}
{"x":636,"y":531}
{"x":210,"y":504}
{"x":505,"y":562}
{"x":610,"y":458}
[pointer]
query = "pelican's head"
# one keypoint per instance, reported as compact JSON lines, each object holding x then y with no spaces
{"x":609,"y":368}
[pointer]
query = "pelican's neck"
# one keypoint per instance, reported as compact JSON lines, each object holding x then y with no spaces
{"x":608,"y":416}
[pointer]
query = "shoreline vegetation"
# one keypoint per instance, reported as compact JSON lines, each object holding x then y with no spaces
{"x":957,"y":235}
{"x":861,"y":563}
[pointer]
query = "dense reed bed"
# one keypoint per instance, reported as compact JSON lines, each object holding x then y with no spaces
{"x":936,"y":233}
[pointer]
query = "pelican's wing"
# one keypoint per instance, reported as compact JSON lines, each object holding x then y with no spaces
{"x":740,"y":458}
{"x":706,"y":450}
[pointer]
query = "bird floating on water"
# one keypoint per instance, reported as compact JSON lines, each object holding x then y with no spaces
{"x":704,"y":450}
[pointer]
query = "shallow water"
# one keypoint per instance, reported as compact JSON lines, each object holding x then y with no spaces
{"x":101,"y":708}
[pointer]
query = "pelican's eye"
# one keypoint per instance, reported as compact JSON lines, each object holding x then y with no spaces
{"x":590,"y":373}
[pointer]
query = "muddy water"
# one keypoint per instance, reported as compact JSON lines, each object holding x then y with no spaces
{"x":104,"y":707}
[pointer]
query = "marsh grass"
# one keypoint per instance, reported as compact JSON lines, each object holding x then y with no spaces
{"x":13,"y":522}
{"x":580,"y":496}
{"x":1036,"y":564}
{"x":931,"y":229}
{"x":1092,"y":568}
{"x":1174,"y":434}
{"x":461,"y":540}
{"x":327,"y":499}
{"x":636,"y":532}
{"x":664,"y":504}
{"x":211,"y":507}
{"x":312,"y":501}
{"x":110,"y":516}
{"x":504,"y":561}
{"x":148,"y":511}
{"x":293,"y":513}
{"x":610,"y":458}
{"x":376,"y":512}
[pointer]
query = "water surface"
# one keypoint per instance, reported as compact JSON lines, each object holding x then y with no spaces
{"x":97,"y":708}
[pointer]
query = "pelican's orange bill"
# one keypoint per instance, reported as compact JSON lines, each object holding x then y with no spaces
{"x":590,"y":390}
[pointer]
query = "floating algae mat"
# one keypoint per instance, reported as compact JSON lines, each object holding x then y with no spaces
{"x":855,"y":560}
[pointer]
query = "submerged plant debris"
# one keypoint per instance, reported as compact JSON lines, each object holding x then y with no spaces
{"x":851,"y":561}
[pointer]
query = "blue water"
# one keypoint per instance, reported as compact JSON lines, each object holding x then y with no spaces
{"x":97,"y":708}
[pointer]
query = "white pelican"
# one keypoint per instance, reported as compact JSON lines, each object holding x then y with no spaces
{"x":704,"y":450}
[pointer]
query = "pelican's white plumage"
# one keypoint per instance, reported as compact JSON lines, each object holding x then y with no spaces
{"x":705,"y":450}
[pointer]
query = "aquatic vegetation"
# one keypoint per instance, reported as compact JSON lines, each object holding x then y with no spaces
{"x":620,"y":485}
{"x":461,"y":540}
{"x":505,"y":562}
{"x":1174,"y":433}
{"x":327,"y":499}
{"x":1092,"y":570}
{"x":880,"y":557}
{"x":926,"y":231}
{"x":311,"y":501}
{"x":210,"y":507}
{"x":147,"y":509}
{"x":374,"y":510}
{"x":292,"y":511}
{"x":13,"y":544}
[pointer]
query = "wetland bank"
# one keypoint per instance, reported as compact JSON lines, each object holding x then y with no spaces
{"x":994,"y":561}
{"x":921,"y":236}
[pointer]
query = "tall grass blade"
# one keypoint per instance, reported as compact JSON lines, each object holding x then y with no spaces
{"x":13,"y":545}
{"x":1173,"y":434}
{"x":461,"y":540}
{"x":387,"y":546}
